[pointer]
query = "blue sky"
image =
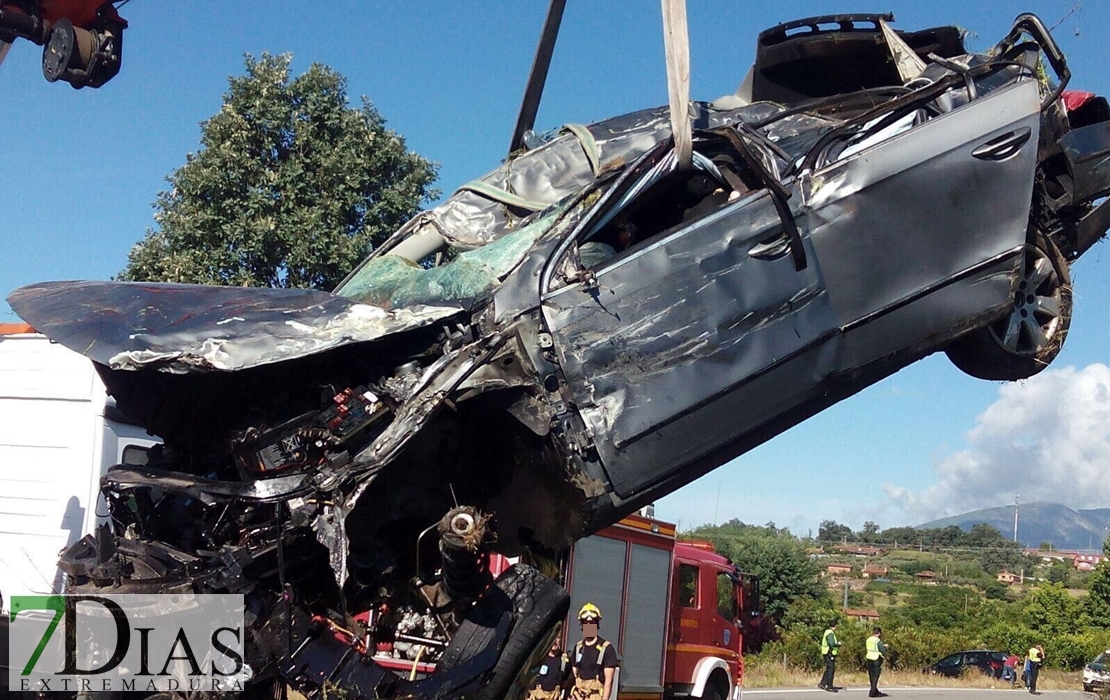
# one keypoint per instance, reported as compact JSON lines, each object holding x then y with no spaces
{"x":80,"y":169}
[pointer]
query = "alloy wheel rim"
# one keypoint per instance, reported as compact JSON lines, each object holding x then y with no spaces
{"x":1034,"y":323}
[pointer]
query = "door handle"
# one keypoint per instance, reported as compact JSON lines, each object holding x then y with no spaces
{"x":771,"y":248}
{"x":1004,"y":146}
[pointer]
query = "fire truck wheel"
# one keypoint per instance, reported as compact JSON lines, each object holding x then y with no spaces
{"x":713,"y":689}
{"x":537,"y":605}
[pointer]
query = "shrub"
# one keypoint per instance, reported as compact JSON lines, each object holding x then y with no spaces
{"x":914,"y":647}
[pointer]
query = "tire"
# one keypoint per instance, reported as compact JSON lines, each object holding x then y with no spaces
{"x":1026,"y":340}
{"x":537,"y":606}
{"x":713,"y":689}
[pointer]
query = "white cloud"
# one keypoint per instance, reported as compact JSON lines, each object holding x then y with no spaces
{"x":1047,"y":438}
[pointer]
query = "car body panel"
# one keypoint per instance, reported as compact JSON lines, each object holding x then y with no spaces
{"x":965,"y":210}
{"x":183,"y":328}
{"x":966,"y":227}
{"x":638,"y":359}
{"x":1096,"y":674}
{"x":1088,"y":152}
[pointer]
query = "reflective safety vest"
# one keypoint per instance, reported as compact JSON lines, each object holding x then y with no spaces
{"x":577,"y":658}
{"x":600,"y":650}
{"x":827,"y":645}
{"x":873,"y":648}
{"x":1035,"y":656}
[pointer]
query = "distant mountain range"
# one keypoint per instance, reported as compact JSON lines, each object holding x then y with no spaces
{"x":1040,"y":522}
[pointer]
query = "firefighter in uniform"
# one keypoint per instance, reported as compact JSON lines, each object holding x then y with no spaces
{"x":829,"y":647}
{"x":552,"y":677}
{"x":876,"y":650}
{"x":594,"y":660}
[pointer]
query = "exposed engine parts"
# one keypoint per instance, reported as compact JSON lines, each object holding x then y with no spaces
{"x":311,"y":439}
{"x":464,"y":539}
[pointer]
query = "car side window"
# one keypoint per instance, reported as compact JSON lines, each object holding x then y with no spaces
{"x":687,"y":586}
{"x":672,"y":202}
{"x":953,"y":660}
{"x":726,"y":597}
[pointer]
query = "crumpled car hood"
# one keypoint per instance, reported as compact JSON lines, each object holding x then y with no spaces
{"x":185,"y":328}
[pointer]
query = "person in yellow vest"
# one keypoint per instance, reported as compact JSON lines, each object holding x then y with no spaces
{"x":1035,"y":661}
{"x":829,"y":649}
{"x":876,"y":651}
{"x":594,"y":660}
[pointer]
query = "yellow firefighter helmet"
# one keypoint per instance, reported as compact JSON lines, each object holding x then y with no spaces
{"x":589,"y":613}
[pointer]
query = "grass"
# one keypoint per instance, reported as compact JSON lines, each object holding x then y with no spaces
{"x":779,"y":676}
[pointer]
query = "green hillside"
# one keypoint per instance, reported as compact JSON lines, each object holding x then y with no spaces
{"x":937,"y":593}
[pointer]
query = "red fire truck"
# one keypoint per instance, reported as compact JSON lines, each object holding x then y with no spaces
{"x":675,"y":610}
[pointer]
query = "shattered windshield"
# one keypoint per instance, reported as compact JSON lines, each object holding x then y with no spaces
{"x":391,"y":281}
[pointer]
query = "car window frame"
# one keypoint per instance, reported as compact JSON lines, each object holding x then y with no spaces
{"x":565,"y":269}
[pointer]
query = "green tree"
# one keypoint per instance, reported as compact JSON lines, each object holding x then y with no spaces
{"x":902,"y":536}
{"x":291,"y":186}
{"x":1051,"y":611}
{"x":984,"y":535}
{"x":937,"y":607}
{"x":1006,"y":556}
{"x":994,"y":590}
{"x":1057,"y":572}
{"x":832,"y":531}
{"x":1098,"y":602}
{"x":870,"y":532}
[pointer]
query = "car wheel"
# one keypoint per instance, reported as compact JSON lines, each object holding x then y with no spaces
{"x":1026,"y":340}
{"x":537,"y":604}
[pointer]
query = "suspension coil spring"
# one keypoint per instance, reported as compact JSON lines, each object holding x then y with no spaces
{"x":464,"y":538}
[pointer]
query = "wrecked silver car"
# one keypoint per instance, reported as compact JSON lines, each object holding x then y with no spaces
{"x":592,"y":325}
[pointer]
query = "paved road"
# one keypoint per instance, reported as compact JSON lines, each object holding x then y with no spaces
{"x":897,"y":693}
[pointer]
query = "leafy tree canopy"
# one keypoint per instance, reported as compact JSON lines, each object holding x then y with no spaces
{"x":1050,"y":610}
{"x":832,"y":531}
{"x":1098,"y":602}
{"x":291,"y":186}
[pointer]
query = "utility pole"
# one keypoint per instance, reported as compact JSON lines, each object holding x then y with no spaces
{"x":845,"y":606}
{"x":1016,"y":495}
{"x":717,"y":507}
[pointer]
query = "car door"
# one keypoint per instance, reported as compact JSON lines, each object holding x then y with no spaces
{"x":918,"y":232}
{"x":672,"y":348}
{"x":949,"y":665}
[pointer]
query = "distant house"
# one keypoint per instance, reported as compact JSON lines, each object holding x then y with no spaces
{"x":875,"y":571}
{"x":861,"y":615}
{"x":838,"y":569}
{"x":858,"y":551}
{"x":1007,"y":578}
{"x":1050,"y":555}
{"x":926,"y":576}
{"x":1087,"y":562}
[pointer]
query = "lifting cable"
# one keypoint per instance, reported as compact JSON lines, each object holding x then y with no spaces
{"x":676,"y":42}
